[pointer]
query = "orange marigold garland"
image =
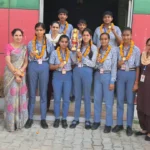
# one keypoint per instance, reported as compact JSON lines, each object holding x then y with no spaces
{"x":87,"y":51}
{"x":106,"y":54}
{"x":60,"y":57}
{"x":43,"y":48}
{"x":109,"y":28}
{"x":130,"y":51}
{"x":66,"y":27}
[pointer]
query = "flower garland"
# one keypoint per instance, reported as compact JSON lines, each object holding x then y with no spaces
{"x":105,"y":56}
{"x":130,"y":51}
{"x":34,"y":48}
{"x":66,"y":27}
{"x":109,"y":28}
{"x":60,"y":57}
{"x":87,"y":51}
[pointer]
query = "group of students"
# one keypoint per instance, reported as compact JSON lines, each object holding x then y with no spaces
{"x":108,"y":57}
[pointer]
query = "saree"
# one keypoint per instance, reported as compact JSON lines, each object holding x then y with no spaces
{"x":15,"y":94}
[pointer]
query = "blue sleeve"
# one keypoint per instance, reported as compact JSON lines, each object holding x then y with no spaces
{"x":118,"y":31}
{"x":52,"y":58}
{"x":29,"y":47}
{"x":95,"y":37}
{"x":137,"y":57}
{"x":114,"y":66}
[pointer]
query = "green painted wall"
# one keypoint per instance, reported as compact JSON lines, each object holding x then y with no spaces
{"x":4,"y":3}
{"x":20,"y":4}
{"x":141,"y":6}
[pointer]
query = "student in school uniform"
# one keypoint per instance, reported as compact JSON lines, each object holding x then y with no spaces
{"x":52,"y":37}
{"x":39,"y":50}
{"x":127,"y":79}
{"x":110,"y":28}
{"x":65,"y":27}
{"x":82,"y":77}
{"x":82,"y":24}
{"x":104,"y":82}
{"x":61,"y":63}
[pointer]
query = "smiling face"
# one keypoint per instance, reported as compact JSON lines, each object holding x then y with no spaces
{"x":126,"y":36}
{"x":104,"y":40}
{"x":39,"y":31}
{"x":17,"y":37}
{"x":54,"y":28}
{"x":107,"y":19}
{"x":63,"y":43}
{"x":82,"y":26}
{"x":62,"y":17}
{"x":86,"y":37}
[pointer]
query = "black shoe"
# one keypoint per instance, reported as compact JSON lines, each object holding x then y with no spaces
{"x":95,"y":126}
{"x":107,"y":129}
{"x":64,"y":124}
{"x":74,"y":124}
{"x":44,"y":125}
{"x":147,"y":138}
{"x":129,"y":131}
{"x":72,"y":98}
{"x":87,"y":125}
{"x":28,"y":124}
{"x":56,"y":123}
{"x":117,"y":128}
{"x":139,"y":133}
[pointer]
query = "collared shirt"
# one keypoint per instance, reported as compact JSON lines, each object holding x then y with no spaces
{"x":55,"y":61}
{"x":134,"y":60}
{"x":47,"y":53}
{"x":113,"y":42}
{"x":110,"y":64}
{"x":62,"y":28}
{"x":86,"y":61}
{"x":54,"y":41}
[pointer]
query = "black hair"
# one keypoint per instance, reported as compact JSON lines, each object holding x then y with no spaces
{"x":105,"y":34}
{"x":63,"y":10}
{"x":61,"y":37}
{"x":127,"y":29}
{"x":55,"y":22}
{"x":40,"y":24}
{"x":82,"y":21}
{"x":90,"y":32}
{"x":107,"y":13}
{"x":15,"y":30}
{"x":147,"y":41}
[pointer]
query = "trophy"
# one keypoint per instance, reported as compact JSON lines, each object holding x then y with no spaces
{"x":74,"y":40}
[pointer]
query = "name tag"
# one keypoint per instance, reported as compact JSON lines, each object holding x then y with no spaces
{"x":142,"y":78}
{"x":101,"y":71}
{"x":123,"y":67}
{"x":40,"y":61}
{"x":80,"y":65}
{"x":63,"y":71}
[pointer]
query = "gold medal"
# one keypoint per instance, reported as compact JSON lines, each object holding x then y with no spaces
{"x":124,"y":58}
{"x":36,"y":51}
{"x":65,"y":62}
{"x":78,"y":50}
{"x":109,"y":27}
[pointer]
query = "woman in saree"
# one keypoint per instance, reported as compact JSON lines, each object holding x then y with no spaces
{"x":15,"y":89}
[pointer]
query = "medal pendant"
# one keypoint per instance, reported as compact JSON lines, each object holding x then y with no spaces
{"x":65,"y":62}
{"x":109,"y":27}
{"x":37,"y":51}
{"x":124,"y":58}
{"x":78,"y":50}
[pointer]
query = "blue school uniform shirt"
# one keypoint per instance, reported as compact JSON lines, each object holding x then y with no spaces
{"x":39,"y":45}
{"x":86,"y":61}
{"x":55,"y":61}
{"x":62,"y":28}
{"x":134,"y":60}
{"x":110,"y":64}
{"x":113,"y":42}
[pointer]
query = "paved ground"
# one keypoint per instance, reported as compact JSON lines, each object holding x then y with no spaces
{"x":69,"y":139}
